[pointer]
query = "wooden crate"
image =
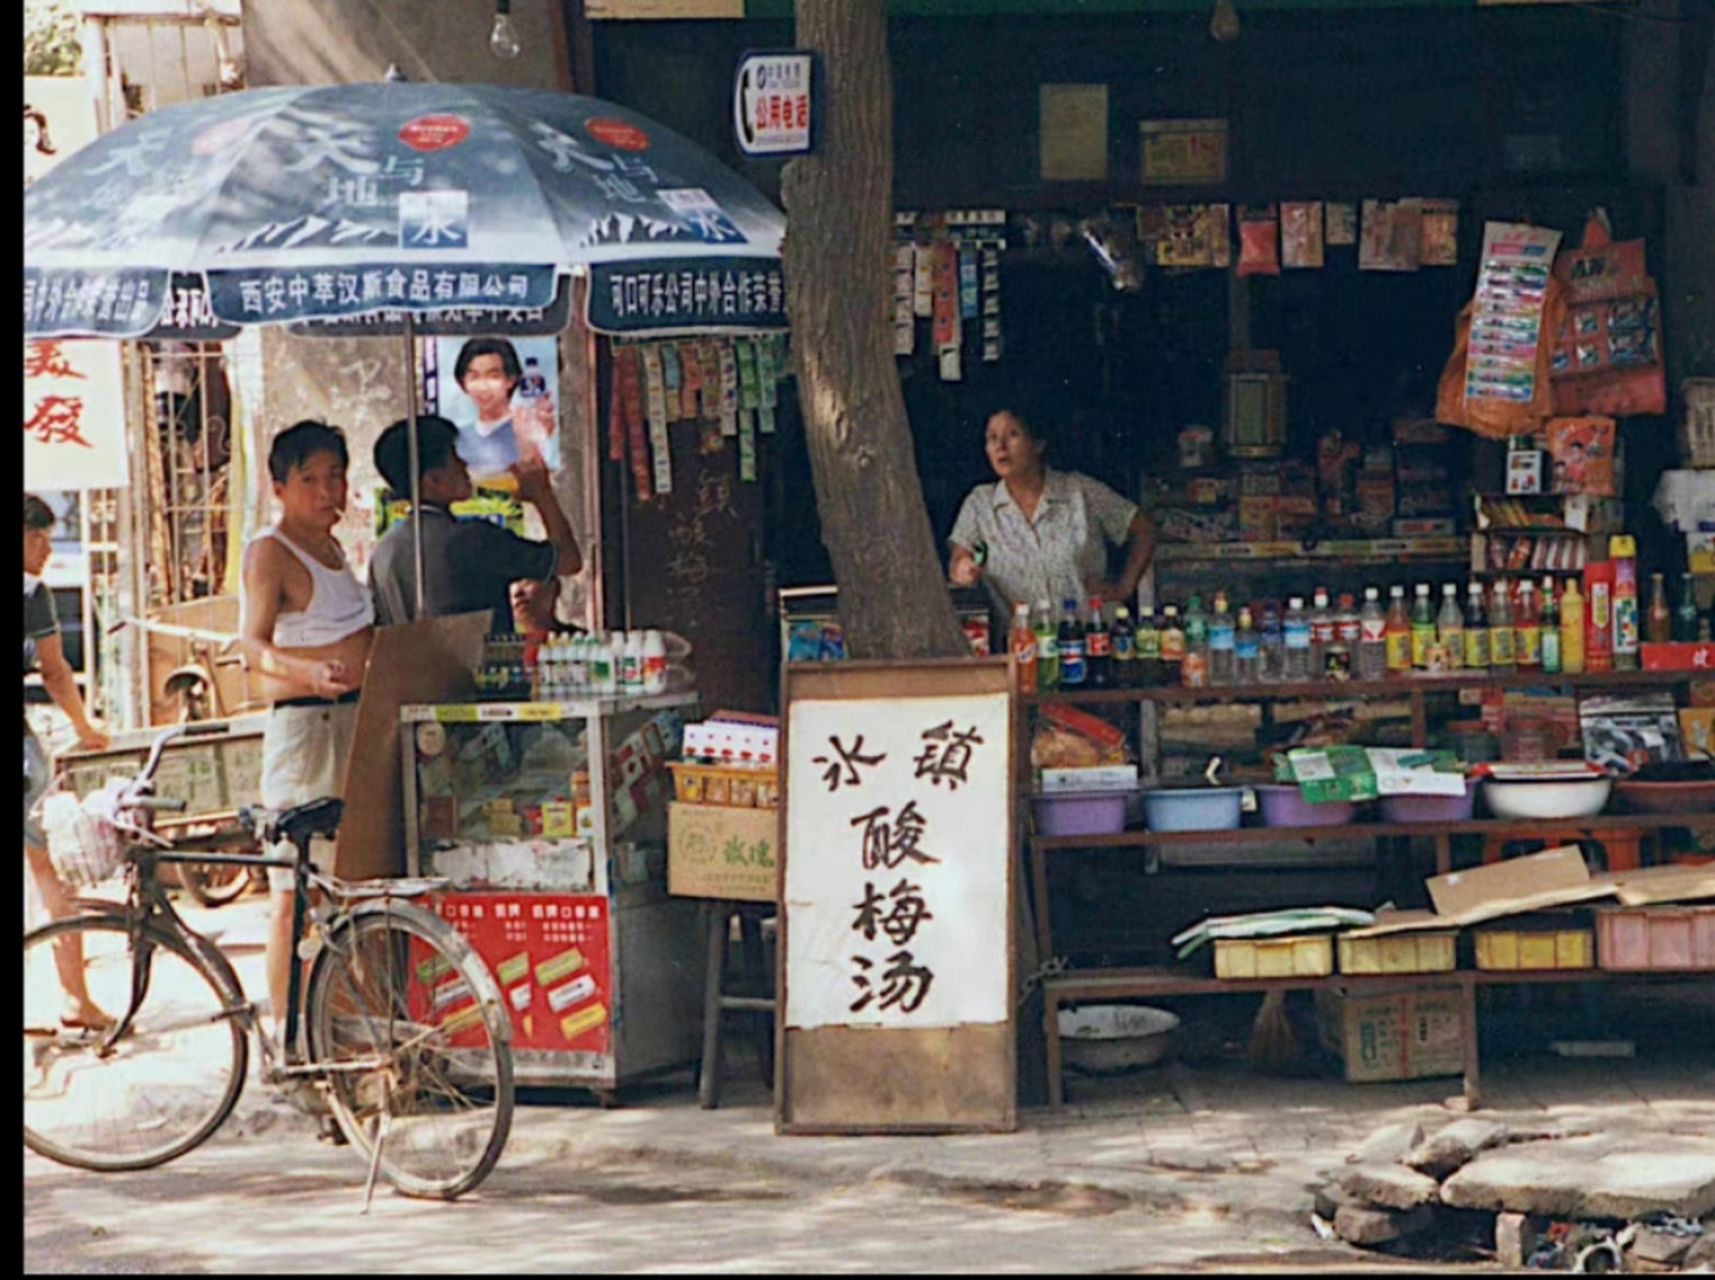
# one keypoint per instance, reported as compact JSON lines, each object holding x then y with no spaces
{"x":1509,"y":949}
{"x":1644,"y":938}
{"x":1311,"y":957}
{"x":1401,"y":953}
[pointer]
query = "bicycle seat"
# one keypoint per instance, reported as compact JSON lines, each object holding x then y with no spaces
{"x":298,"y":825}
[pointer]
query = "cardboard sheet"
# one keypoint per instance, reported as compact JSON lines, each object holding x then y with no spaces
{"x":430,"y":661}
{"x":1552,"y":878}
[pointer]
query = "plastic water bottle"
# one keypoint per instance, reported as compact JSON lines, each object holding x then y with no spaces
{"x":1223,"y":644}
{"x":1372,"y":637}
{"x":1247,"y":649}
{"x":1297,"y":634}
{"x":1194,"y":671}
{"x":1271,"y":665}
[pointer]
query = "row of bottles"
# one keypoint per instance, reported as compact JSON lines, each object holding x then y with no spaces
{"x":1531,"y":627}
{"x":601,"y":664}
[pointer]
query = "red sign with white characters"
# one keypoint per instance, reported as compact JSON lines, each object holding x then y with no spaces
{"x":549,"y":952}
{"x":435,"y":133}
{"x":618,"y":135}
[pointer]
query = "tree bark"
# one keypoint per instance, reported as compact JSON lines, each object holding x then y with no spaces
{"x":839,"y":204}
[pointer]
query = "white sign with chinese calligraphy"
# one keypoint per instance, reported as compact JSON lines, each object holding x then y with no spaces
{"x":897,"y":875}
{"x":74,"y":415}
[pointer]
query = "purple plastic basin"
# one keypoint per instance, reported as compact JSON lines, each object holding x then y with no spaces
{"x":1080,"y":813}
{"x":1431,"y":808}
{"x":1284,"y":805}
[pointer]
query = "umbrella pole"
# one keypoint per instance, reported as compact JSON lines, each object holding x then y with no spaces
{"x":416,"y":460}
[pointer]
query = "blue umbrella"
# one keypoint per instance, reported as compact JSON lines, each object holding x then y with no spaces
{"x":327,"y":202}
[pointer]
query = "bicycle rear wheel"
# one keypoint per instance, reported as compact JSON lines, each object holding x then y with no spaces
{"x":170,"y":1080}
{"x":412,"y":1031}
{"x":214,"y":885}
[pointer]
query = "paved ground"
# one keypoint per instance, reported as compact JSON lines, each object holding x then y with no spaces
{"x":1187,"y":1165}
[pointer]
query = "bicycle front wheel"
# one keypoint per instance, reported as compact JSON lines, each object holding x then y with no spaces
{"x":164,"y":1086}
{"x":412,"y":1032}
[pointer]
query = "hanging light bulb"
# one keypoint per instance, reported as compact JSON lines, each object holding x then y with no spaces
{"x":1224,"y":26}
{"x":503,"y":39}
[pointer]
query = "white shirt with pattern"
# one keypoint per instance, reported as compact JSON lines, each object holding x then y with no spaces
{"x":1053,"y":556}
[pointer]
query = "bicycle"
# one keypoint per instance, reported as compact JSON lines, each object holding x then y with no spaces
{"x":391,"y":1015}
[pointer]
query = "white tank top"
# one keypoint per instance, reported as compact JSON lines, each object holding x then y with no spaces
{"x":339,"y":603}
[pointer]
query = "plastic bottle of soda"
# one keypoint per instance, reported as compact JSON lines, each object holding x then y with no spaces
{"x":1450,"y":626}
{"x":1098,"y":647}
{"x":1125,"y":649}
{"x":1073,"y":672}
{"x":1021,"y":639}
{"x":1341,"y":653}
{"x":1172,"y":646}
{"x":1047,"y":647}
{"x":1527,"y":629}
{"x":1422,"y":627}
{"x":1372,"y":637}
{"x":1148,"y":649}
{"x":1398,"y":633}
{"x":1476,"y":629}
{"x":1550,"y":628}
{"x":1503,"y":653}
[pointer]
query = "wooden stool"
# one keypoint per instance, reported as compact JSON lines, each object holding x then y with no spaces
{"x":755,"y":997}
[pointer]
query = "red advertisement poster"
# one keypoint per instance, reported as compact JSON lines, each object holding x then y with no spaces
{"x":549,"y":952}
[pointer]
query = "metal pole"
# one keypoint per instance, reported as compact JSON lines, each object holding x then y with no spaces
{"x":416,"y":460}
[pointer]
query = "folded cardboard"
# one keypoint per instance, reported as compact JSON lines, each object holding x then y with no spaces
{"x":1552,"y":878}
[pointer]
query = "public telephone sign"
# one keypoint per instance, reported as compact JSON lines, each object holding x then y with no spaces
{"x":773,"y":104}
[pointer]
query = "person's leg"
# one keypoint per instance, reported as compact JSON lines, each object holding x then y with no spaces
{"x":80,"y":1009}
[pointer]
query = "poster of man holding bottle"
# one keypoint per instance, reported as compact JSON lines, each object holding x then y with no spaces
{"x":501,"y":393}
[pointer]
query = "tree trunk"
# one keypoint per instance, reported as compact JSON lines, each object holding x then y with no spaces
{"x":839,"y":205}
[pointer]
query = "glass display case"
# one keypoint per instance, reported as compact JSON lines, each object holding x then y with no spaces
{"x":549,"y":820}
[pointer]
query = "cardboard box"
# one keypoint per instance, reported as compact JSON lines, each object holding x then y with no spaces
{"x":1303,"y":957}
{"x":1426,"y":527}
{"x":1408,"y":1035}
{"x":723,"y":853}
{"x":1326,"y":774}
{"x":1678,"y":657}
{"x":1259,"y":519}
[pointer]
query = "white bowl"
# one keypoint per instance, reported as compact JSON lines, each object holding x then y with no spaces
{"x":1547,"y":798}
{"x":1115,"y":1037}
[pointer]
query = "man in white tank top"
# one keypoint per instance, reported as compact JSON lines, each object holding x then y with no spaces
{"x":307,"y":626}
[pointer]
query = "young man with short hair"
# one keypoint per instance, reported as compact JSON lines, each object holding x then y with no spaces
{"x":468,"y":565}
{"x":307,"y":626}
{"x":45,"y":651}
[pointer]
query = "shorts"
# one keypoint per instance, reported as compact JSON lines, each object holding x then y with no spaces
{"x":304,"y":755}
{"x":38,"y":776}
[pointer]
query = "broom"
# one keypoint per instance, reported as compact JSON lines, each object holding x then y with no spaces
{"x":1273,"y":1046}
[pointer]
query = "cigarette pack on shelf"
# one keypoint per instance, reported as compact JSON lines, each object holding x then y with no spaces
{"x":1405,"y":1035}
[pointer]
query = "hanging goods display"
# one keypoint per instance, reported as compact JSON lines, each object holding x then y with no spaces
{"x":1607,"y":354}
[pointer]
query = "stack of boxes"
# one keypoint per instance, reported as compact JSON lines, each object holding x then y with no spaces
{"x":723,"y":827}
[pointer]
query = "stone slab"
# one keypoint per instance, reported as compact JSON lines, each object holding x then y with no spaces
{"x":1362,"y":1226}
{"x":1600,"y":1177}
{"x":1331,"y":1199}
{"x":1388,"y":1144}
{"x":1389,"y":1186}
{"x":1455,"y":1147}
{"x":1515,"y":1240}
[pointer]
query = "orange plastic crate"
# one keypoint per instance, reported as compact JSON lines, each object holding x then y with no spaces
{"x":722,"y":785}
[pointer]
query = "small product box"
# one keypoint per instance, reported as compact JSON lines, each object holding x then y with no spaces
{"x":716,"y":852}
{"x":1678,"y":657}
{"x":1524,"y":471}
{"x":1426,"y":527}
{"x":1098,"y":778}
{"x":736,"y":739}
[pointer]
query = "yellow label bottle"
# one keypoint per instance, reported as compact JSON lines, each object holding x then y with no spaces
{"x":1572,"y":629}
